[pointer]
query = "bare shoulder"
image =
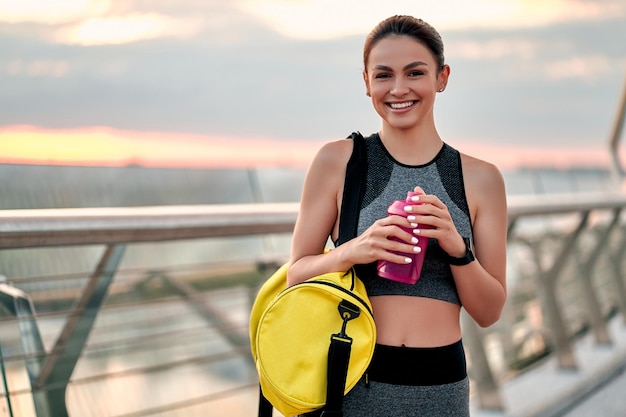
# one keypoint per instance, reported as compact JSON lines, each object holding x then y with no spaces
{"x":321,"y":198}
{"x":334,"y":153}
{"x":484,"y":189}
{"x":327,"y":171}
{"x":329,"y":164}
{"x":481,"y":176}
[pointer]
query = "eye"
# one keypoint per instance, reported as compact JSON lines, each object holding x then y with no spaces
{"x":416,"y":73}
{"x":382,"y":75}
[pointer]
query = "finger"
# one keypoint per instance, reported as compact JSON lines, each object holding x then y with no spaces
{"x":418,"y":190}
{"x":396,"y":258}
{"x":397,"y":252}
{"x":401,"y":240}
{"x":418,"y":220}
{"x":396,"y":220}
{"x":427,"y":199}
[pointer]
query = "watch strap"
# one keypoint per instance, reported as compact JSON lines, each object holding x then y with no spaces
{"x":467,"y":258}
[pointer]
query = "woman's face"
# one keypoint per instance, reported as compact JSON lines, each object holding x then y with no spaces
{"x":402,"y":78}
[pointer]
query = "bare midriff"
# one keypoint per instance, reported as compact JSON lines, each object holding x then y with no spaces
{"x":415,"y":321}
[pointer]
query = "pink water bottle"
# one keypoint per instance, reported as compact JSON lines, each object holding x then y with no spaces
{"x":405,"y":273}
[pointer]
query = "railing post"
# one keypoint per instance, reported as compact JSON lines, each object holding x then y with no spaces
{"x":50,"y":382}
{"x":589,"y":292}
{"x":20,"y":306}
{"x":616,"y":260}
{"x":5,"y":384}
{"x":222,"y":321}
{"x":554,"y":318}
{"x":546,"y":281}
{"x":489,"y":396}
{"x":616,"y":135}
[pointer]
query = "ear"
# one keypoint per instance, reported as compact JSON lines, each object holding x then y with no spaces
{"x":442,"y":78}
{"x":367,"y":84}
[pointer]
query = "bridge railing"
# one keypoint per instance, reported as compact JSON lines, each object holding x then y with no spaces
{"x":559,"y":248}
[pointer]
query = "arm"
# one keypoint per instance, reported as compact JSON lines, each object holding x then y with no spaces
{"x":318,"y":219}
{"x":481,"y":284}
{"x":318,"y":214}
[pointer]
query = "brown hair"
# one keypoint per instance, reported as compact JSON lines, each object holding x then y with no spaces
{"x":399,"y":25}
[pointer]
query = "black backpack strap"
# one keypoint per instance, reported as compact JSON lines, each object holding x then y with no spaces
{"x":339,"y":350}
{"x":338,"y":360}
{"x":265,"y":407}
{"x":341,"y":345}
{"x":352,"y":190}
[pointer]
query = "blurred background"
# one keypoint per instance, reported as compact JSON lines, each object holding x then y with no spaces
{"x":210,"y":84}
{"x":131,"y":103}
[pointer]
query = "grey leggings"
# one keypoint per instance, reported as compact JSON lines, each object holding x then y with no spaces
{"x":411,"y":382}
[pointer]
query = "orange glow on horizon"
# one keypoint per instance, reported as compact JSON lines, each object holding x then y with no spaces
{"x":104,"y":146}
{"x":512,"y":156}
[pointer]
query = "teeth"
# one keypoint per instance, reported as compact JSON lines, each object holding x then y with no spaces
{"x":401,"y":105}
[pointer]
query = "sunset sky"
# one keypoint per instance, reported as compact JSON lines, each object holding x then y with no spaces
{"x":266,"y":82}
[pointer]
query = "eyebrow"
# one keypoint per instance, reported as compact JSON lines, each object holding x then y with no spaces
{"x":406,"y":67}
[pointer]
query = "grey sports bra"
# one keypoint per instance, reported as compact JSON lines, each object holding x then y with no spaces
{"x":388,"y":180}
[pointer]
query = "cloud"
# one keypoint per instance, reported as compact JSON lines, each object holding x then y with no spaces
{"x":335,"y":19}
{"x":50,"y":11}
{"x":518,"y":57}
{"x":494,"y":49}
{"x":37,"y":68}
{"x":235,"y":75}
{"x":101,"y":22}
{"x":95,"y":22}
{"x":130,"y":28}
{"x":588,"y":67}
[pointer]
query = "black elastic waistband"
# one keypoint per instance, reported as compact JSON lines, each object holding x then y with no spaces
{"x":400,"y":365}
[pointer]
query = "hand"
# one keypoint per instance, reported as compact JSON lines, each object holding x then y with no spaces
{"x":430,"y":211}
{"x":378,"y":242}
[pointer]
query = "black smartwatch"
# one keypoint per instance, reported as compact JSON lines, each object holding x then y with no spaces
{"x":466,"y":258}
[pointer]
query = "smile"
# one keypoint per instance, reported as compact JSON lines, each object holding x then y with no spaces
{"x":403,"y":105}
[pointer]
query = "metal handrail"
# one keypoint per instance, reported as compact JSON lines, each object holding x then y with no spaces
{"x":117,"y":225}
{"x":541,"y":205}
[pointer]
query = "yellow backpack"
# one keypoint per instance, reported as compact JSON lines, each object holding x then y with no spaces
{"x":313,"y":341}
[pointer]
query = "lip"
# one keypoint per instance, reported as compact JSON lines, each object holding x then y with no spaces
{"x":403,"y":105}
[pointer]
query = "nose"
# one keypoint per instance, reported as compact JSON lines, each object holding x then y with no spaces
{"x":399,"y":87}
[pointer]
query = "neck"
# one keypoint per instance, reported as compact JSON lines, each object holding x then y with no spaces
{"x":413,"y":146}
